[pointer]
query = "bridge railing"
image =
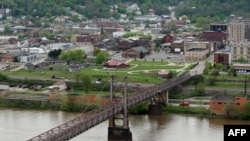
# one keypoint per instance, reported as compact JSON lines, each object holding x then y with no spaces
{"x":88,"y":120}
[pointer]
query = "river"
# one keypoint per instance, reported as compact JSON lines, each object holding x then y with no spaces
{"x":22,"y":124}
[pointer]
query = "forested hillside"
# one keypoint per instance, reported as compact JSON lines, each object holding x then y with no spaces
{"x":216,"y":9}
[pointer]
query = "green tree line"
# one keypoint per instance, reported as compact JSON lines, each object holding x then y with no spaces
{"x":214,"y":9}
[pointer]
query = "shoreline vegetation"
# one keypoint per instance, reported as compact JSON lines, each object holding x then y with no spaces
{"x":211,"y":78}
{"x":140,"y":109}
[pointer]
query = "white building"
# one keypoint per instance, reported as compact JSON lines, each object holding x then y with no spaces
{"x":58,"y":86}
{"x":33,"y":50}
{"x":27,"y":58}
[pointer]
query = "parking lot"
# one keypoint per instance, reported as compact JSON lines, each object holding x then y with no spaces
{"x":162,"y":55}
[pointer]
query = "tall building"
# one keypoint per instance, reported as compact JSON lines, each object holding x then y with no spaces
{"x":239,"y":38}
{"x":240,"y":49}
{"x":236,"y":31}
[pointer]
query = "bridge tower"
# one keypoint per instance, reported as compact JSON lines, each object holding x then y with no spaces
{"x":157,"y":102}
{"x":119,"y":132}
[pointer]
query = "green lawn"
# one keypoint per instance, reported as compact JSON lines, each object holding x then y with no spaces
{"x":139,"y":72}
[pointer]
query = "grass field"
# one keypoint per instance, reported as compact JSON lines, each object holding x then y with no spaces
{"x":139,"y":72}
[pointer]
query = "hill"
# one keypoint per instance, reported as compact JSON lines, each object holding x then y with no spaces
{"x":215,"y":9}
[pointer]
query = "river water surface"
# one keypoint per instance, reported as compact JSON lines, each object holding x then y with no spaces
{"x":23,"y":124}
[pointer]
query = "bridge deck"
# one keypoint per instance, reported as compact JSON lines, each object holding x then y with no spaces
{"x":88,"y":120}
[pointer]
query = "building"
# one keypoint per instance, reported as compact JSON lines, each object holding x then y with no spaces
{"x":217,"y":38}
{"x":196,"y":50}
{"x":33,"y":50}
{"x":223,"y":58}
{"x":240,"y":49}
{"x":219,"y":27}
{"x":196,"y":54}
{"x":115,"y":64}
{"x":236,"y":31}
{"x":59,"y":86}
{"x":241,"y":68}
{"x":217,"y":103}
{"x":27,"y":58}
{"x":126,"y":44}
{"x":177,"y":47}
{"x":239,"y":37}
{"x":163,"y":74}
{"x":7,"y":58}
{"x":135,"y":52}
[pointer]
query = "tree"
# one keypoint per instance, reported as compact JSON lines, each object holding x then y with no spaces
{"x":200,"y":89}
{"x":77,"y":76}
{"x":230,"y":109}
{"x":96,"y":51}
{"x":170,"y":27}
{"x":54,"y":53}
{"x":214,"y":72}
{"x":241,"y":59}
{"x":47,"y":34}
{"x":231,"y":71}
{"x":73,"y":55}
{"x":203,"y":22}
{"x":211,"y":80}
{"x":247,"y":107}
{"x":196,"y":79}
{"x":102,"y":57}
{"x":86,"y":82}
{"x":246,"y":114}
{"x":6,"y":29}
{"x":218,"y":66}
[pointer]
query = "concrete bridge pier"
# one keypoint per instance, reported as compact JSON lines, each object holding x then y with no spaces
{"x":116,"y":131}
{"x":157,"y":103}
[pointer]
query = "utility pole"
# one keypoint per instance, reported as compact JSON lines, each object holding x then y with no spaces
{"x":125,"y":109}
{"x":245,"y":85}
{"x":111,"y":88}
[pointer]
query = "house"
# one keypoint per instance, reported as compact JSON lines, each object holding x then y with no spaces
{"x":115,"y":64}
{"x":27,"y":58}
{"x":179,"y":23}
{"x":13,"y":41}
{"x":217,"y":103}
{"x":2,"y":12}
{"x":29,"y":66}
{"x":10,"y":57}
{"x":163,"y":74}
{"x":135,"y":52}
{"x":126,"y":44}
{"x":75,"y":66}
{"x":33,"y":33}
{"x":52,"y":61}
{"x":59,"y":86}
{"x":86,"y":38}
{"x":168,"y":39}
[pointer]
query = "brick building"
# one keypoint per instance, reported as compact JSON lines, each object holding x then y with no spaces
{"x":217,"y":103}
{"x":177,"y":47}
{"x":213,"y":36}
{"x":223,"y":58}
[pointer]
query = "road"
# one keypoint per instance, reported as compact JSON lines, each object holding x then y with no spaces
{"x":198,"y":69}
